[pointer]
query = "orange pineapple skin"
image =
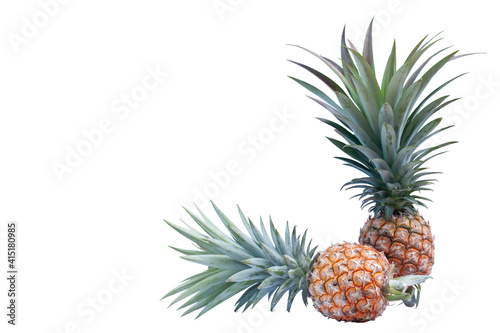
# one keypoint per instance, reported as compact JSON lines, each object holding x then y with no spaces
{"x":406,"y":240}
{"x":347,"y":280}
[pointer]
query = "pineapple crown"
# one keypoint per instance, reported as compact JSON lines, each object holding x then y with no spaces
{"x":258,"y":263}
{"x":382,"y":124}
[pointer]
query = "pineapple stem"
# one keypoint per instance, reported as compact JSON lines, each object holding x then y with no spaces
{"x":405,"y":288}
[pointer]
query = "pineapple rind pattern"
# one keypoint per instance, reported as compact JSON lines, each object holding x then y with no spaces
{"x":347,"y":282}
{"x":406,"y":241}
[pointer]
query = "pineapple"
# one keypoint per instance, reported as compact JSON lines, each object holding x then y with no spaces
{"x":383,"y":126}
{"x":406,"y":240}
{"x":347,"y":282}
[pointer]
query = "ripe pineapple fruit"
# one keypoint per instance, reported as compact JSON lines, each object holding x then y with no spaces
{"x":347,"y":282}
{"x":405,"y":239}
{"x":382,"y":125}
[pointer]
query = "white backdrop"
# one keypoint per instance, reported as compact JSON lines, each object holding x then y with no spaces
{"x":116,"y":113}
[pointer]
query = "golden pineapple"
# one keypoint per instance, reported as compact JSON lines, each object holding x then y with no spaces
{"x":347,"y":282}
{"x":406,"y":240}
{"x":383,"y":126}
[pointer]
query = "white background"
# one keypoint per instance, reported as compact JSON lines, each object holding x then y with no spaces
{"x":227,"y":80}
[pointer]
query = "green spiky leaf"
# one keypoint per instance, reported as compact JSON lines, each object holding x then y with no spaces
{"x":253,"y":262}
{"x":383,"y":124}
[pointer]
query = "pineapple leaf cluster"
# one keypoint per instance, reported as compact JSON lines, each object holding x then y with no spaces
{"x":383,"y":124}
{"x":259,"y":262}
